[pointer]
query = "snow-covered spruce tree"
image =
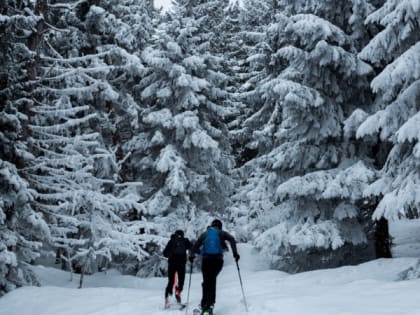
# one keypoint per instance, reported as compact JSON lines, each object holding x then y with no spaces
{"x":230,"y":46}
{"x":112,"y":34}
{"x":234,"y":49}
{"x":219,"y":27}
{"x":182,"y":150}
{"x":258,"y":13}
{"x":86,"y":222}
{"x":116,"y":32}
{"x":21,"y":229}
{"x":129,"y":26}
{"x":209,"y":16}
{"x":394,"y":119}
{"x":305,"y":187}
{"x":254,"y":18}
{"x":73,"y":174}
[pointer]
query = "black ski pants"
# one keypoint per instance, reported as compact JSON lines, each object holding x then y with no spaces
{"x":211,"y":265}
{"x":176,"y":266}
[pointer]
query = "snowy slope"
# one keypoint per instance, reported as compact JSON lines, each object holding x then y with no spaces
{"x":369,"y":289}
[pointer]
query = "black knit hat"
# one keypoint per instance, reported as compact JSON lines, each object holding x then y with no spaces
{"x":179,"y":233}
{"x":217,"y":223}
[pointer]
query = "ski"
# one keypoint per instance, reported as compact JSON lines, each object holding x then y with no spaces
{"x":176,"y":306}
{"x":182,"y":306}
{"x":198,"y":311}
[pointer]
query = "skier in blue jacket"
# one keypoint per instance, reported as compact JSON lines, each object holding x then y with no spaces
{"x":210,"y":245}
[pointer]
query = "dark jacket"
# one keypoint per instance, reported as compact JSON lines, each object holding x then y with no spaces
{"x":170,"y":249}
{"x":224,"y":236}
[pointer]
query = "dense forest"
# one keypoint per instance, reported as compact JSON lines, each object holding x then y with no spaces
{"x":295,"y":122}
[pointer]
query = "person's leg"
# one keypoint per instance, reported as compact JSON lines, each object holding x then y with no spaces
{"x":211,"y":266}
{"x":180,"y":272}
{"x":216,"y":268}
{"x":206,"y":271}
{"x":181,"y":276}
{"x":171,"y":276}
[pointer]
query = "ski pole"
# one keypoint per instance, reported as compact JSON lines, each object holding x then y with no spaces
{"x":242,"y":287}
{"x":189,"y":286}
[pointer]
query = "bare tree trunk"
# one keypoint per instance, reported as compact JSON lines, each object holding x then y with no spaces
{"x":382,"y":239}
{"x":81,"y":278}
{"x":32,"y":66}
{"x":34,"y":41}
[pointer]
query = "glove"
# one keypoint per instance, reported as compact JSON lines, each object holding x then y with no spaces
{"x":236,"y":256}
{"x":191,"y":259}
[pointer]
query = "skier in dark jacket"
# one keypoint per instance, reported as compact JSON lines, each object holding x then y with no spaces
{"x":210,"y":244}
{"x":176,"y":252}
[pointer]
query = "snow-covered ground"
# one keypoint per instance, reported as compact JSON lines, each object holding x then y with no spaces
{"x":373,"y":288}
{"x":368,"y":289}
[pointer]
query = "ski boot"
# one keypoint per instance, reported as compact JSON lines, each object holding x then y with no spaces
{"x":178,"y":295}
{"x":167,"y":303}
{"x":207,"y":310}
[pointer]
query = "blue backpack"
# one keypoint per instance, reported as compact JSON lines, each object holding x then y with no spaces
{"x":212,"y":244}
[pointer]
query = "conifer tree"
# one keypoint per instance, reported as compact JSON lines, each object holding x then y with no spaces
{"x":22,"y":230}
{"x":209,"y":16}
{"x":74,"y":173}
{"x":115,"y":32}
{"x":393,"y":118}
{"x":254,"y":18}
{"x":306,"y":182}
{"x":182,"y":149}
